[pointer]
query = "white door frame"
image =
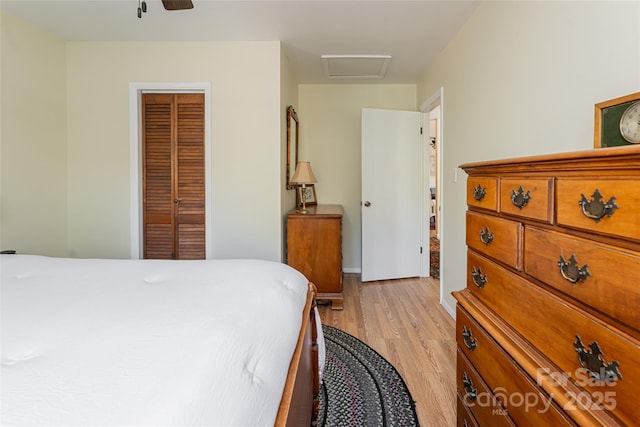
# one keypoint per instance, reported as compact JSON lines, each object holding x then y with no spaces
{"x":424,"y":140}
{"x":135,"y":146}
{"x":437,"y":99}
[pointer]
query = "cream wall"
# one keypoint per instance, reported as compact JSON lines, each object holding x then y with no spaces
{"x":65,"y":140}
{"x":245,"y":132}
{"x":33,"y":140}
{"x":522,"y":78}
{"x":330,"y":119}
{"x":289,"y":87}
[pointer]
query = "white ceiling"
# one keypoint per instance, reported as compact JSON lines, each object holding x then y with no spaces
{"x":412,"y":32}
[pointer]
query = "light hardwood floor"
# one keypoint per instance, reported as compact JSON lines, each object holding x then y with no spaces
{"x":404,"y":322}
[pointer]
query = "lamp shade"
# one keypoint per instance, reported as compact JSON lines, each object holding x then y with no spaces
{"x":303,"y":174}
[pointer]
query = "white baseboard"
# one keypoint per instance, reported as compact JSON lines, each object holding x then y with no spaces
{"x":447,"y":307}
{"x":352,"y":270}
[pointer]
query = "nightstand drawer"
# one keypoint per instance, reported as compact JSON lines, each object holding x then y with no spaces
{"x":608,"y":206}
{"x":483,"y":193}
{"x":496,"y":237}
{"x":586,"y":271}
{"x":522,"y":398}
{"x":528,"y":198}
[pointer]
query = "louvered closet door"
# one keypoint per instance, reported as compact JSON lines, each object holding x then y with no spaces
{"x":174,"y":176}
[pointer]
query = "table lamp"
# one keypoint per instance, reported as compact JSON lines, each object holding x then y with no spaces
{"x":303,"y":176}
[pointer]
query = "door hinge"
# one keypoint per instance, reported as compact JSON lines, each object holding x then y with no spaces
{"x":420,"y":130}
{"x":420,"y":249}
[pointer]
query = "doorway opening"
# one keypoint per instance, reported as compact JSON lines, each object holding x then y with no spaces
{"x":432,"y":119}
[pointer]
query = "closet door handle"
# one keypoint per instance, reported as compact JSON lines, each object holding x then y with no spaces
{"x":177,"y":201}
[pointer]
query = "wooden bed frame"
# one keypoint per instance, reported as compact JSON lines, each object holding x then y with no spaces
{"x":299,"y":403}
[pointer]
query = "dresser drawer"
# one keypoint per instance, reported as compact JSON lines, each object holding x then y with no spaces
{"x":528,"y":198}
{"x":564,"y":334}
{"x":463,"y":415}
{"x":498,"y":238}
{"x":525,"y":402}
{"x":586,"y":271}
{"x":582,"y":203}
{"x":487,"y":280}
{"x":483,"y":193}
{"x":477,"y":396}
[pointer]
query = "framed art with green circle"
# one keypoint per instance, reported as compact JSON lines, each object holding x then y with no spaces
{"x":617,"y":122}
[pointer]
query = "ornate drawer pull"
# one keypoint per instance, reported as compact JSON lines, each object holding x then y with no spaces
{"x":592,"y":361}
{"x":479,"y":192}
{"x":486,"y":236}
{"x":595,"y":208}
{"x":478,"y":278}
{"x":570,"y":270}
{"x":472,"y":393}
{"x":520,"y":199}
{"x":469,"y":341}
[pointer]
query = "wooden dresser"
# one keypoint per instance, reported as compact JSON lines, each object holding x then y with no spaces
{"x":548,"y":326}
{"x":314,"y":247}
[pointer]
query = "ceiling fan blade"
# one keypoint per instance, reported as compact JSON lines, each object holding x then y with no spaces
{"x":177,"y":4}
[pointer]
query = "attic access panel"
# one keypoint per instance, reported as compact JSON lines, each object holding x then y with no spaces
{"x":177,"y":4}
{"x":355,"y":66}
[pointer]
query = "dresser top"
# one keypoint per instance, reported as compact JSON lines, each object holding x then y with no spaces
{"x":594,"y":159}
{"x":320,"y":210}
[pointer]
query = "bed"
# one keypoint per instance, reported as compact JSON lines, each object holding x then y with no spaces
{"x":131,"y":342}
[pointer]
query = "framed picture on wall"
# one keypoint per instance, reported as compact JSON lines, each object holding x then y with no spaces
{"x":617,"y":122}
{"x":308,"y":195}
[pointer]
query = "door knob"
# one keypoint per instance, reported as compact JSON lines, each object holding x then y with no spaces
{"x":367,"y":203}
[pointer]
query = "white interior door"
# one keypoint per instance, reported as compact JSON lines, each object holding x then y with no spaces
{"x":392,"y":194}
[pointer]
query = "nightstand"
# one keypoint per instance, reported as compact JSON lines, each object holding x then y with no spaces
{"x":314,"y":247}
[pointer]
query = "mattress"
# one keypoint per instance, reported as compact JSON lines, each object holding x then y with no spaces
{"x":146,"y":342}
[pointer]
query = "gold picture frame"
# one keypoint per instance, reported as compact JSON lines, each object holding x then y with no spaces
{"x":293,"y":135}
{"x":309,"y":193}
{"x":606,"y":130}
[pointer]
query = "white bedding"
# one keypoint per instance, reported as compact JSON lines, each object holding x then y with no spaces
{"x":144,"y":342}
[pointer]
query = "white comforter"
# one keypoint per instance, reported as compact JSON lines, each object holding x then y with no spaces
{"x":143,"y":342}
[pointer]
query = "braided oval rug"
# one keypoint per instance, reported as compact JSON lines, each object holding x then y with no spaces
{"x":360,"y":387}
